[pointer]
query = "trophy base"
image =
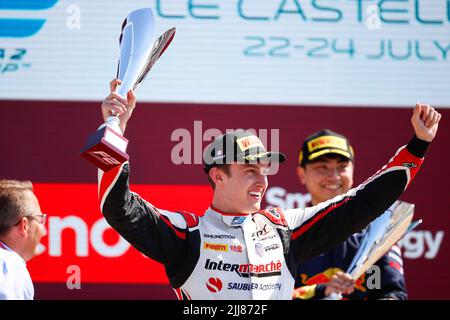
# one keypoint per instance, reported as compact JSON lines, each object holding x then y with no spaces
{"x":105,"y":149}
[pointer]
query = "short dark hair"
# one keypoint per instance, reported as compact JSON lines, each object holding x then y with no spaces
{"x":12,"y":195}
{"x":225,"y":168}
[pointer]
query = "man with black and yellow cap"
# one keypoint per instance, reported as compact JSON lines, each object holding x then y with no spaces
{"x":236,"y":250}
{"x":326,"y":164}
{"x":317,"y":151}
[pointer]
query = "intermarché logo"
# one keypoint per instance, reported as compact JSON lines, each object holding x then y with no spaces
{"x":21,"y":28}
{"x":247,"y":270}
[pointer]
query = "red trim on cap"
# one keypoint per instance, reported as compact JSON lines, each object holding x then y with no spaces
{"x":228,"y":213}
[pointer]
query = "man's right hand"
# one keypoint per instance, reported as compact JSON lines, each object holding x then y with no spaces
{"x":115,"y":104}
{"x":340,"y":283}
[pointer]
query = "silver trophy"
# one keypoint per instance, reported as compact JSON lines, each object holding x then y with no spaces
{"x":139,"y":51}
{"x":379,"y":236}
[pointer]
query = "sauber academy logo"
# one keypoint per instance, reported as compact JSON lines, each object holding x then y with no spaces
{"x":253,"y":286}
{"x":214,"y":285}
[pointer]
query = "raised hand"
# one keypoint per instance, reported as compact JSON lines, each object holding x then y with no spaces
{"x":340,"y":283}
{"x":115,"y":104}
{"x":425,"y":121}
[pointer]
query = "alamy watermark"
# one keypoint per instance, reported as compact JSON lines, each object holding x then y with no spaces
{"x":189,"y":147}
{"x":373,"y":277}
{"x":74,"y":278}
{"x":74,"y":19}
{"x":373,"y":21}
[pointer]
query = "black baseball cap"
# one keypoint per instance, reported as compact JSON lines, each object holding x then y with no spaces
{"x":241,"y":146}
{"x":325,"y":142}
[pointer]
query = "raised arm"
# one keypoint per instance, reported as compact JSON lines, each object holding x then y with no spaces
{"x":322,"y":227}
{"x":159,"y":234}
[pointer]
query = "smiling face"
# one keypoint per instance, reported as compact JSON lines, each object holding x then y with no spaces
{"x":242,"y":190}
{"x":326,"y":177}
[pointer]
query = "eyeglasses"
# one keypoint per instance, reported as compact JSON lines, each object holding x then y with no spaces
{"x":40,"y":218}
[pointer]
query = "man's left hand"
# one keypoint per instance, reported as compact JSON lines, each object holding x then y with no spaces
{"x":425,"y":121}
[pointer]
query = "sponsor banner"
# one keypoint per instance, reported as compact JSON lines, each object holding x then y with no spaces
{"x":375,"y":53}
{"x":79,"y":237}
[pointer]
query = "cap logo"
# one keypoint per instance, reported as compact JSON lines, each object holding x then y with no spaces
{"x":218,"y":157}
{"x":253,"y":157}
{"x":327,"y":142}
{"x":249,"y":142}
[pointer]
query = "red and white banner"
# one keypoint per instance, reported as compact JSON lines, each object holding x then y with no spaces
{"x":77,"y":234}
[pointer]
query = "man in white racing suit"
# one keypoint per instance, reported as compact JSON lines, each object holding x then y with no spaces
{"x":236,"y":250}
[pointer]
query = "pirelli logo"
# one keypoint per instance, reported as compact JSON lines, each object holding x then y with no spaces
{"x":249,"y":142}
{"x":216,"y":247}
{"x":327,"y":142}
